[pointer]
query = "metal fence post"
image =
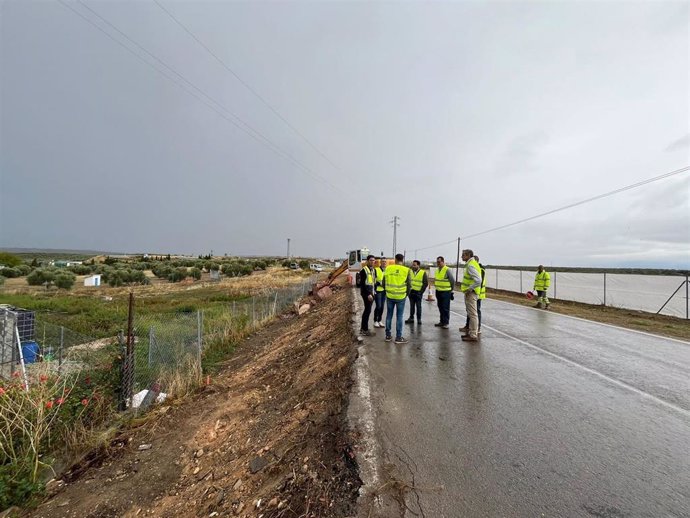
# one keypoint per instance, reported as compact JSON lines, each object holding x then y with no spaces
{"x":198,"y":332}
{"x":604,"y":288}
{"x":687,"y":285}
{"x":150,"y":343}
{"x":128,"y":378}
{"x":496,"y":278}
{"x":555,"y":284}
{"x":62,"y":343}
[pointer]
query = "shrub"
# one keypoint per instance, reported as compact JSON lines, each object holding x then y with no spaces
{"x":10,"y":273}
{"x":65,"y":280}
{"x":80,"y":269}
{"x":10,"y":259}
{"x":177,"y":275}
{"x":52,"y":412}
{"x":41,"y":276}
{"x":304,"y":264}
{"x":24,"y":269}
{"x":196,"y":273}
{"x":162,"y":271}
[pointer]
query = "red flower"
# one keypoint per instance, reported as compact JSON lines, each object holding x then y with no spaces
{"x":2,"y":391}
{"x":16,"y":374}
{"x":60,"y":401}
{"x":49,"y":404}
{"x":43,"y":378}
{"x":84,"y":402}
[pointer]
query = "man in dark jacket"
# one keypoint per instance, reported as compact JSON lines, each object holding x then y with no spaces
{"x":366,"y":288}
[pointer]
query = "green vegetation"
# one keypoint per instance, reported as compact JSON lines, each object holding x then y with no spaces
{"x":8,"y":259}
{"x":55,"y":414}
{"x":64,"y":280}
{"x":98,"y":318}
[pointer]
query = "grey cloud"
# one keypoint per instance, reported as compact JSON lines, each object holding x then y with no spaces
{"x":426,"y":111}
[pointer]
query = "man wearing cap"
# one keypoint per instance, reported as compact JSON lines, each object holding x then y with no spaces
{"x":419,"y":283}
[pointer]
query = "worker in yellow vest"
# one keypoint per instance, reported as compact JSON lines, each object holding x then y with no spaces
{"x":471,"y":286}
{"x":443,"y":283}
{"x":397,"y":283}
{"x":419,"y":284}
{"x":380,"y":294}
{"x":482,"y":296}
{"x":542,"y":281}
{"x":366,"y":287}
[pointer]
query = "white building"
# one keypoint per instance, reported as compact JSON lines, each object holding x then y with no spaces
{"x":93,"y":280}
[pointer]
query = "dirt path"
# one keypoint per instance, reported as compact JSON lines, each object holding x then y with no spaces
{"x":266,"y":438}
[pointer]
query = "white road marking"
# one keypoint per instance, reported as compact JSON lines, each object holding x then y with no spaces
{"x":597,"y":323}
{"x":601,"y":375}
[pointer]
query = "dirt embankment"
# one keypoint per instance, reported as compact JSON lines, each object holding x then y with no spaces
{"x":266,"y":438}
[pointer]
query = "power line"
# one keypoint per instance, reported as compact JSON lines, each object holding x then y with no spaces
{"x":242,"y":125}
{"x":437,"y":245}
{"x":582,"y":202}
{"x":565,"y":207}
{"x":246,"y":85}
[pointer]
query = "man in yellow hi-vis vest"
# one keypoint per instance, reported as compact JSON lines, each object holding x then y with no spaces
{"x":419,"y":285}
{"x":482,"y":296}
{"x":380,"y":296}
{"x":471,"y":286}
{"x":542,"y":281}
{"x":443,"y":283}
{"x":396,"y":281}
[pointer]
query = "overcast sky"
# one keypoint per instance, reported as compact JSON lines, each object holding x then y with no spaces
{"x":456,"y":116}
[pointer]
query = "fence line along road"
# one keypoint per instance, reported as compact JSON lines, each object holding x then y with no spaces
{"x":662,"y":294}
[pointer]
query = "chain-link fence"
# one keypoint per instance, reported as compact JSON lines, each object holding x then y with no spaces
{"x":27,"y":342}
{"x":665,"y":294}
{"x":162,"y":352}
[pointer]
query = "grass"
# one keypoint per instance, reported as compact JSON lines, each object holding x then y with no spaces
{"x":91,"y":313}
{"x":166,"y":310}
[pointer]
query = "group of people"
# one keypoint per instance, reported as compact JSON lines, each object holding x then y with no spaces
{"x":389,"y":286}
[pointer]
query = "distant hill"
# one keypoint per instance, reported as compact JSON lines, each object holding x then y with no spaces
{"x":51,"y":253}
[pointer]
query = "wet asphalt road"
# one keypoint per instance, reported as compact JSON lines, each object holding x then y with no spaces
{"x":547,"y":416}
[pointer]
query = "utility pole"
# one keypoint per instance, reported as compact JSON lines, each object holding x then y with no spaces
{"x":288,"y":250}
{"x":395,"y":224}
{"x":457,"y":263}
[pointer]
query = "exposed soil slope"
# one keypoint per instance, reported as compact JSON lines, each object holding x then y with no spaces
{"x":267,"y":437}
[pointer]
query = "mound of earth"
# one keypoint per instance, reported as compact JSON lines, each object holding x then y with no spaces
{"x":266,"y":438}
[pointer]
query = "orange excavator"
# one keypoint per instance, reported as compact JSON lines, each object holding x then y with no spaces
{"x":353,"y":263}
